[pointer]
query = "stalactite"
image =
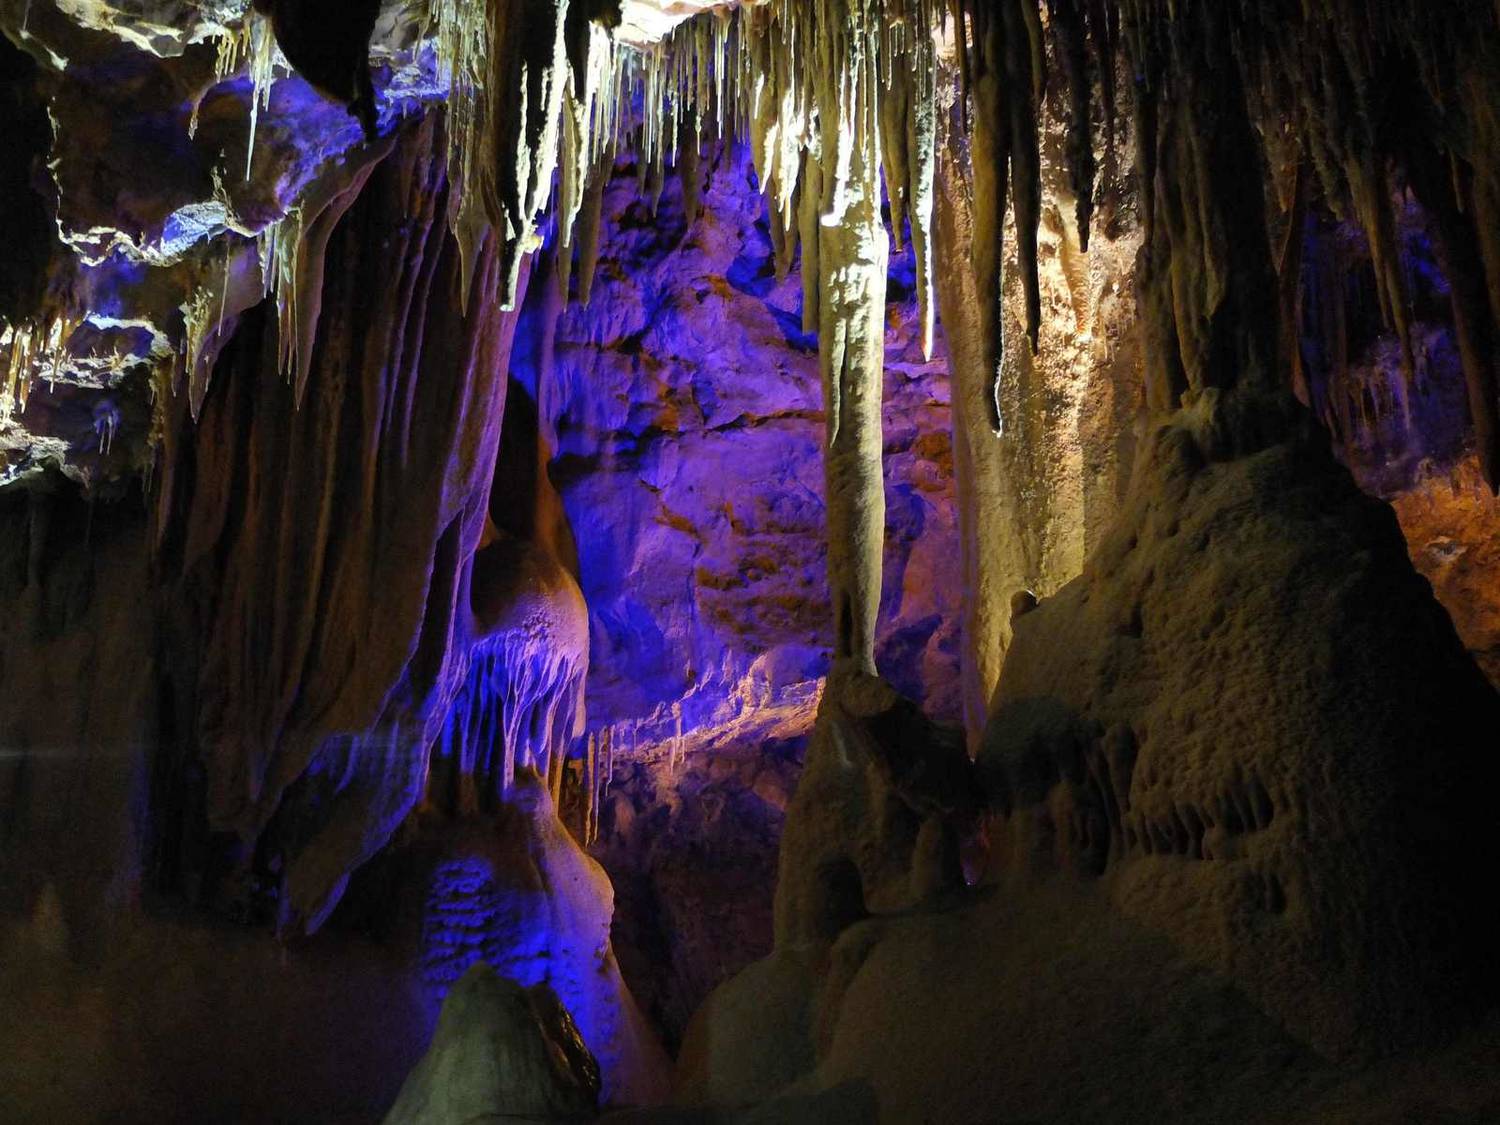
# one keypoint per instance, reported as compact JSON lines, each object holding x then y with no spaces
{"x":1289,"y":283}
{"x":534,"y":83}
{"x":852,"y":260}
{"x":1069,"y":28}
{"x":590,"y":789}
{"x":1101,"y":20}
{"x":1207,"y":281}
{"x":809,"y":230}
{"x":687,"y":168}
{"x":252,"y":43}
{"x":1023,"y":71}
{"x":31,"y":350}
{"x":990,"y":159}
{"x":576,"y":139}
{"x":589,"y":229}
{"x":908,"y":120}
{"x":523,"y":695}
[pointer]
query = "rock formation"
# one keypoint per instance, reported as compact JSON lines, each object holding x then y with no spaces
{"x":1327,"y":789}
{"x":500,"y":1051}
{"x":439,"y":441}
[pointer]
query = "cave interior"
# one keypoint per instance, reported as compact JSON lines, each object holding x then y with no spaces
{"x":751,"y":561}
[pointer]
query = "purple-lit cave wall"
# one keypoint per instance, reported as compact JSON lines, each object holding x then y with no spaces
{"x":688,"y":421}
{"x":1388,"y":431}
{"x":686,"y":418}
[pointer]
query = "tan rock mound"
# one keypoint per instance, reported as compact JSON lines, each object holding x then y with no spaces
{"x":1251,"y":719}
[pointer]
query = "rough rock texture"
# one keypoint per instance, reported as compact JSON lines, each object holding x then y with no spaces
{"x":692,"y":855}
{"x":1251,"y":718}
{"x":688,"y":416}
{"x":1452,"y":526}
{"x":517,"y":892}
{"x":1097,"y":1020}
{"x":500,"y":1052}
{"x":1037,"y":494}
{"x":873,"y":829}
{"x":1241,"y":799}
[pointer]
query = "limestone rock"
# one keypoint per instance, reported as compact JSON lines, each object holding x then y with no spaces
{"x":873,"y":826}
{"x":521,"y":895}
{"x":1250,"y":717}
{"x":500,"y":1052}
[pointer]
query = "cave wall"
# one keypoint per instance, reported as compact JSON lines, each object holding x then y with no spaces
{"x":685,"y":410}
{"x":686,"y":406}
{"x":276,"y":638}
{"x":322,"y":587}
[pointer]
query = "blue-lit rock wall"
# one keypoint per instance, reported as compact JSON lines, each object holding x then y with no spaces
{"x":688,"y":428}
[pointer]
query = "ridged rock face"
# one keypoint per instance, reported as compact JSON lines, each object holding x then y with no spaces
{"x":356,"y":517}
{"x":1252,"y":722}
{"x":518,"y":893}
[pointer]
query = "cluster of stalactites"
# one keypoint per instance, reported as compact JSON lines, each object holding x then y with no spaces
{"x":770,"y":73}
{"x":1002,"y":61}
{"x":598,"y":773}
{"x":30,"y":350}
{"x":533,"y":84}
{"x":1347,"y":104}
{"x":251,"y":45}
{"x":520,"y":707}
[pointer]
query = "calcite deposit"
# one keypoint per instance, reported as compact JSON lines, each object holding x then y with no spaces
{"x":828,"y":560}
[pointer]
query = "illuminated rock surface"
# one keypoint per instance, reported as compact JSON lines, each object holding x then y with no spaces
{"x":458,"y":457}
{"x":500,"y":1051}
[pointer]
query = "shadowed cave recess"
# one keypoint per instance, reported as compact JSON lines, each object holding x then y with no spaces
{"x":802,"y":561}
